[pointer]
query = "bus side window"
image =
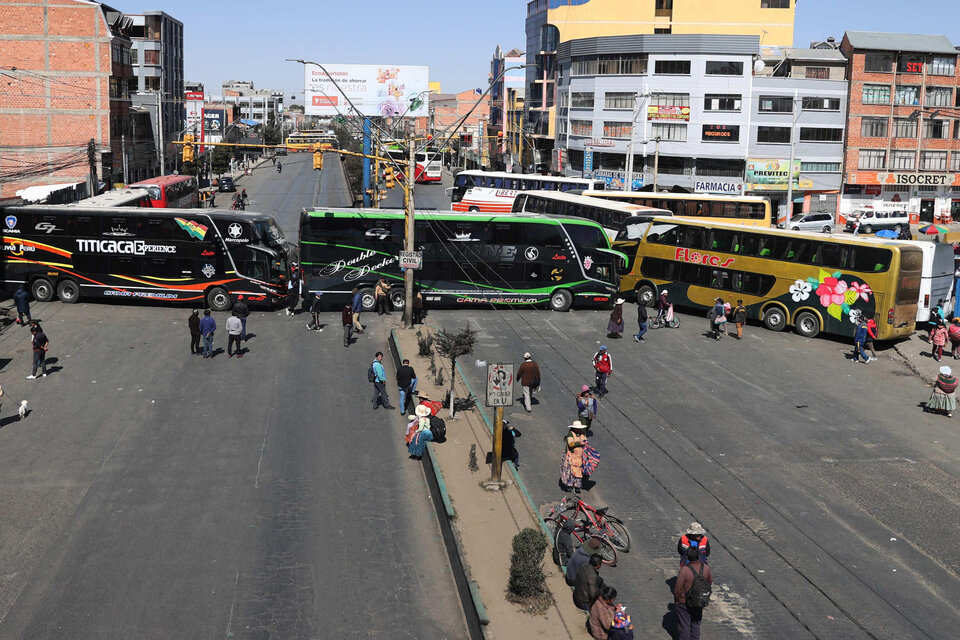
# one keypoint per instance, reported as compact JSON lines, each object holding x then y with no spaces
{"x":765,"y":247}
{"x":749,"y":243}
{"x":543,"y":235}
{"x":721,"y":240}
{"x":813,"y":257}
{"x":505,"y":233}
{"x":599,"y":186}
{"x":693,"y":237}
{"x":460,"y":181}
{"x":830,"y":255}
{"x":694,"y":274}
{"x":721,"y":279}
{"x":869,"y":259}
{"x":664,"y":234}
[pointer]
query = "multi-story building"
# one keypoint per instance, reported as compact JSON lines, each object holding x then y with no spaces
{"x":550,"y":23}
{"x":447,"y":109}
{"x":506,"y":110}
{"x":65,"y":104}
{"x":261,"y":105}
{"x":157,"y":57}
{"x":903,"y":133}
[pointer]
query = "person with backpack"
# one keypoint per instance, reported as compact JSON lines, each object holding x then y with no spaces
{"x":378,"y":376}
{"x":938,"y":338}
{"x":740,"y":318}
{"x":603,"y":364}
{"x":691,"y":594}
{"x":421,"y":433}
{"x":858,"y":339}
{"x":571,"y":464}
{"x":871,"y":336}
{"x":587,"y":406}
{"x":695,"y":537}
{"x":641,"y":320}
{"x":718,"y":319}
{"x":953,"y":333}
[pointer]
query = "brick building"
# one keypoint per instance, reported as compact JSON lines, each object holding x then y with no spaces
{"x":903,"y":136}
{"x":446,"y":109}
{"x":65,"y":76}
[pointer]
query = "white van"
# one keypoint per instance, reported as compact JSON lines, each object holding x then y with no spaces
{"x":872,"y":220}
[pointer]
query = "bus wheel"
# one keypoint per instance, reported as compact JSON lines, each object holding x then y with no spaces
{"x":68,"y":291}
{"x":561,"y":300}
{"x":396,"y":298}
{"x":41,"y":290}
{"x":807,"y":324}
{"x":646,"y":294}
{"x":368,"y":302}
{"x":474,"y":209}
{"x":774,"y":319}
{"x":218,"y":299}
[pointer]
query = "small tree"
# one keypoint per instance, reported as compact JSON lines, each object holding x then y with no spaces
{"x":453,"y":346}
{"x":527,"y":583}
{"x":220,"y":162}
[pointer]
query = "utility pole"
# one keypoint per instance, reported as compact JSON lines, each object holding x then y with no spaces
{"x":161,"y":138}
{"x":656,"y":165}
{"x":365,"y":185}
{"x":638,"y":105}
{"x":409,"y":245}
{"x":123,"y":153}
{"x":793,"y":154}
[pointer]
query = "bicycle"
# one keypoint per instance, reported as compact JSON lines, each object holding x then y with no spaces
{"x":660,"y":320}
{"x":581,"y":532}
{"x":598,"y":520}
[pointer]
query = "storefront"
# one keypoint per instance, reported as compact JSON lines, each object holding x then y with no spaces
{"x":927,"y":197}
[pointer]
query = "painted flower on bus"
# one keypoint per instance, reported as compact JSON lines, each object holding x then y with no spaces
{"x":855,"y":315}
{"x":800,"y":290}
{"x":836,"y":294}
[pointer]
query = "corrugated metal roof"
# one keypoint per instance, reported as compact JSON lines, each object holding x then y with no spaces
{"x":918,"y":43}
{"x":661,"y":43}
{"x":830,"y":55}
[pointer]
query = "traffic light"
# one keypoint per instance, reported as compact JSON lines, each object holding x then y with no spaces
{"x":499,"y":136}
{"x":317,"y":160}
{"x":466,"y":139}
{"x":188,"y":147}
{"x":388,"y":177}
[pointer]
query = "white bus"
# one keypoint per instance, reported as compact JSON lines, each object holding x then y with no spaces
{"x":936,"y":281}
{"x":608,"y":214}
{"x":429,"y":166}
{"x":494,"y":191}
{"x":117,"y":198}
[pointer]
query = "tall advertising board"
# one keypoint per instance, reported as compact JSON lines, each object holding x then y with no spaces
{"x":375,"y":90}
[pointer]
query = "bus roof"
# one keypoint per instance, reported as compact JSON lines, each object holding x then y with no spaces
{"x":161,"y":181}
{"x":812,"y":235}
{"x":597,"y":202}
{"x":143,"y":212}
{"x":115,"y":198}
{"x":446,"y":215}
{"x":609,"y":195}
{"x":526,"y":176}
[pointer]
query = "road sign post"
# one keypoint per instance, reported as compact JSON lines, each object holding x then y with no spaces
{"x":499,"y":395}
{"x":411,"y":259}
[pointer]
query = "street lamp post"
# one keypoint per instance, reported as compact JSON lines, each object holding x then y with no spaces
{"x":793,"y":156}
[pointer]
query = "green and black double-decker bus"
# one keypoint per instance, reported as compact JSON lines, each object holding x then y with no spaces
{"x":468,"y":258}
{"x":162,"y":255}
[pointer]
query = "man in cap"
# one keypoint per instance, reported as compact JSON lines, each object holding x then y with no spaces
{"x":581,"y":557}
{"x":603,"y":364}
{"x":529,"y":377}
{"x":695,"y":537}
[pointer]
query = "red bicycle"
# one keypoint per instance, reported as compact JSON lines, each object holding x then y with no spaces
{"x":591,"y":523}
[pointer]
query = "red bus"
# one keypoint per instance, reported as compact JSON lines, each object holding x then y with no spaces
{"x":170,"y":192}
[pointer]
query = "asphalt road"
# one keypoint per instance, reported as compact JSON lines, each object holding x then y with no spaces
{"x":153,"y":494}
{"x":825,"y":490}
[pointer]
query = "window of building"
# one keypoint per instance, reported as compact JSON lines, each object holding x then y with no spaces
{"x":907,"y":94}
{"x":617,"y":129}
{"x":776,"y":104}
{"x":899,"y":188}
{"x":151,"y":83}
{"x":910,"y":63}
{"x":820,"y":167}
{"x":820,"y":104}
{"x":669,"y":132}
{"x":878,"y":62}
{"x":774,"y":4}
{"x":151,"y":56}
{"x":820,"y":134}
{"x":773,"y":135}
{"x":873,"y":127}
{"x":939,"y":97}
{"x":720,"y":167}
{"x":721,"y":133}
{"x":583,"y":66}
{"x":942,"y":66}
{"x":722,"y":102}
{"x":672,"y":67}
{"x":581,"y":100}
{"x":817,"y":73}
{"x":904,"y":160}
{"x":724,"y":68}
{"x":581,"y":128}
{"x":904,"y":128}
{"x":933,"y":160}
{"x":115,"y":50}
{"x":619,"y":100}
{"x":665,"y":5}
{"x":134,"y":56}
{"x":936,"y":129}
{"x":872,"y":159}
{"x":662,"y":30}
{"x":670,"y":100}
{"x":876,"y":94}
{"x":676,"y":166}
{"x":955,"y":162}
{"x":613,"y":64}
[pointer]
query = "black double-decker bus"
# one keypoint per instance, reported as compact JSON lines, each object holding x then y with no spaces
{"x":163,"y":255}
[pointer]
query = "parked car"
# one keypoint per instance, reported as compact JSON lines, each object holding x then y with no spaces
{"x":823,"y":222}
{"x":226,"y":184}
{"x":872,"y":220}
{"x":280,"y":151}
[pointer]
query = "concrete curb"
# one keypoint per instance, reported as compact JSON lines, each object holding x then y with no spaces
{"x":469,"y":592}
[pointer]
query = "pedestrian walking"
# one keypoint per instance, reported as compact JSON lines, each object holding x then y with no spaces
{"x":871,"y":336}
{"x":528,"y":375}
{"x":356,"y":306}
{"x":581,"y":556}
{"x":587,"y":406}
{"x":937,"y":316}
{"x":689,"y":615}
{"x":588,"y":583}
{"x":242,"y":311}
{"x":718,"y":319}
{"x":378,"y":376}
{"x":346,"y":316}
{"x":641,"y":320}
{"x":314,"y":324}
{"x":953,"y":333}
{"x":381,"y":292}
{"x":859,"y":338}
{"x":571,"y":464}
{"x":234,"y":334}
{"x":40,"y":345}
{"x":208,"y":327}
{"x":243,"y":197}
{"x":944,"y":398}
{"x":615,"y":324}
{"x":938,"y":338}
{"x":601,"y":613}
{"x":418,"y":307}
{"x":694,"y":537}
{"x":406,"y":384}
{"x":22,"y":299}
{"x":194,"y":323}
{"x":603,"y":365}
{"x":293,"y":290}
{"x":740,"y":318}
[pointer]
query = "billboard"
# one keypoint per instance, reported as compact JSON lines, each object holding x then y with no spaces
{"x":668,"y":112}
{"x":375,"y":90}
{"x":213,"y":121}
{"x":765,"y":174}
{"x":193,"y":108}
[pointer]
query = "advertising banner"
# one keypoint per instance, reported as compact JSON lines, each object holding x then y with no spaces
{"x":615,"y":179}
{"x":658,"y":112}
{"x":375,"y":90}
{"x":213,"y":120}
{"x":194,"y":109}
{"x":771,"y":175}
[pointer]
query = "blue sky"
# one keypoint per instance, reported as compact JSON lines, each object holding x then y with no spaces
{"x":249,"y":40}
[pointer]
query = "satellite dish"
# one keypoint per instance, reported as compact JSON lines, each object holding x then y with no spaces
{"x":758,"y":66}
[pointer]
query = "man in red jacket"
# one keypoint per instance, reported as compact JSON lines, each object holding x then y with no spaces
{"x":871,"y":336}
{"x":688,"y":618}
{"x":604,"y":367}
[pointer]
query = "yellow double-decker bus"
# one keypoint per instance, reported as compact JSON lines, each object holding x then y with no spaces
{"x":746,"y":210}
{"x":310,"y":141}
{"x":816,"y":283}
